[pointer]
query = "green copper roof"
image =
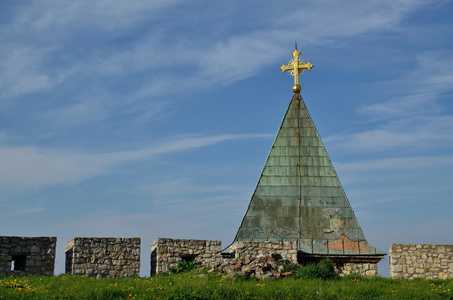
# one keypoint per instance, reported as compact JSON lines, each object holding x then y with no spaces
{"x":299,"y":196}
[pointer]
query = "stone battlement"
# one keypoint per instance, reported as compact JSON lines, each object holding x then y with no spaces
{"x":167,"y":253}
{"x":103,"y":257}
{"x":22,"y":256}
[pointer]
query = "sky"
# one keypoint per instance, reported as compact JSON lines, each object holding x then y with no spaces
{"x":154,"y":118}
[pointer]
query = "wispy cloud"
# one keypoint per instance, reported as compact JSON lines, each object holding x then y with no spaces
{"x":419,"y":134}
{"x":174,"y":187}
{"x":376,"y":202}
{"x":32,"y":167}
{"x":399,"y":185}
{"x":419,"y":90}
{"x":21,"y":71}
{"x":326,"y":22}
{"x":234,"y":57}
{"x":404,"y":164}
{"x":416,"y":119}
{"x":23,"y":212}
{"x":191,"y":196}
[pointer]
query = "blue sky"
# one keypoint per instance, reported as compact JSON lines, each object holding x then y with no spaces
{"x":154,"y":118}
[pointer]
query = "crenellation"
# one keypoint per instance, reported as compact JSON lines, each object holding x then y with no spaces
{"x":112,"y":257}
{"x":31,"y":255}
{"x":103,"y":257}
{"x":167,"y":253}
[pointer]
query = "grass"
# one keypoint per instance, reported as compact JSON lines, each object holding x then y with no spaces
{"x":325,"y":269}
{"x":185,"y":266}
{"x":194,"y":285}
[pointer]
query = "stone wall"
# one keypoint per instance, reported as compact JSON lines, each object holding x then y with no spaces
{"x":286,"y":250}
{"x":423,"y":261}
{"x":167,"y":253}
{"x":368,"y":269}
{"x":23,"y":256}
{"x":103,"y":257}
{"x":363,"y":265}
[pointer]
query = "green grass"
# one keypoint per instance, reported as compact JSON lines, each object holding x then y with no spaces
{"x":185,"y":266}
{"x":193,"y":285}
{"x":325,"y":269}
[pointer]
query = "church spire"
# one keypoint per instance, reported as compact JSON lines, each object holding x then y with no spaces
{"x":299,"y":196}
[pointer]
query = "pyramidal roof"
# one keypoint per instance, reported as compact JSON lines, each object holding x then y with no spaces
{"x":299,"y":196}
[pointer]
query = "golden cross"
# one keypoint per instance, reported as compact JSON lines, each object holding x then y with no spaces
{"x":296,"y":67}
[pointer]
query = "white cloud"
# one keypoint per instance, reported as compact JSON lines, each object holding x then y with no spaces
{"x":376,"y":202}
{"x":56,"y":19}
{"x":434,"y":70}
{"x":23,"y":212}
{"x":237,"y":58}
{"x":193,"y":197}
{"x":80,"y":113}
{"x":243,"y":55}
{"x":175,"y":186}
{"x":409,"y":105}
{"x":234,"y":57}
{"x":46,"y":42}
{"x":416,"y":119}
{"x":398,"y":186}
{"x":404,"y":164}
{"x":32,"y":167}
{"x":328,"y":21}
{"x":20,"y":72}
{"x":419,"y":89}
{"x":419,"y":134}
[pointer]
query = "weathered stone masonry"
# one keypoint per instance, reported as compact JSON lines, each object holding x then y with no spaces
{"x":368,"y":269}
{"x":167,"y":253}
{"x":103,"y":257}
{"x":423,"y":261}
{"x":24,"y":256}
{"x":286,"y":250}
{"x":113,"y":257}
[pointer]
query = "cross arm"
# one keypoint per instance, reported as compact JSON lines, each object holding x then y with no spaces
{"x":286,"y":68}
{"x":306,"y":66}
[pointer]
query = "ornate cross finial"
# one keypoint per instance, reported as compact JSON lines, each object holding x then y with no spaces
{"x":296,"y":67}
